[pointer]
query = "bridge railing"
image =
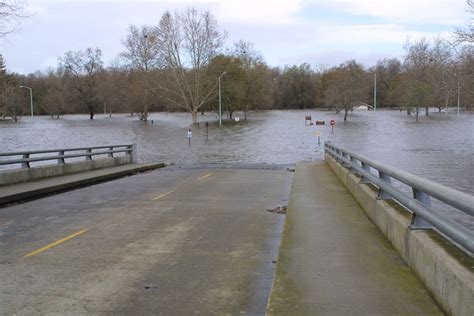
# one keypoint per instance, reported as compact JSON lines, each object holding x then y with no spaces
{"x":25,"y":158}
{"x":419,"y":204}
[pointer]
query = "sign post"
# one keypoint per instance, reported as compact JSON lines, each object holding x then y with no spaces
{"x":190,"y":135}
{"x":332,"y":122}
{"x":318,"y":133}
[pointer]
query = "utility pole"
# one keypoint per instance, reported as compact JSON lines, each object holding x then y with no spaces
{"x":459,"y":92}
{"x":375,"y":91}
{"x":220,"y":100}
{"x":31,"y":97}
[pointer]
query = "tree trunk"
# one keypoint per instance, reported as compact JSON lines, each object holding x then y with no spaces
{"x":194,"y":114}
{"x":91,"y":113}
{"x":145,"y":113}
{"x":345,"y":114}
{"x":426,"y":110}
{"x":230,"y":114}
{"x":446,"y":103}
{"x":245,"y":115}
{"x":416,"y":113}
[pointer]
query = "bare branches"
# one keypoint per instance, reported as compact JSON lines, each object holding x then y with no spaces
{"x":466,"y":35}
{"x":82,"y":69}
{"x":11,"y":13}
{"x":142,"y":48}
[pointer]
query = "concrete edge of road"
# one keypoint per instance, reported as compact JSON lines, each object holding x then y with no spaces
{"x":446,"y":271}
{"x":20,"y":192}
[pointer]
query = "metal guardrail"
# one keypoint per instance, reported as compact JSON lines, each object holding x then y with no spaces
{"x":62,"y":154}
{"x":419,"y":204}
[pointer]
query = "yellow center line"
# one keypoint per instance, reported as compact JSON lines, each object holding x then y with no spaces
{"x":162,"y":195}
{"x":206,"y":176}
{"x":55,"y":243}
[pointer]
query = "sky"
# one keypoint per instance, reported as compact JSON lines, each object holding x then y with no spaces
{"x":284,"y":32}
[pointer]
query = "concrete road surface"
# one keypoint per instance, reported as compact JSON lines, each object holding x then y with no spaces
{"x":174,"y":241}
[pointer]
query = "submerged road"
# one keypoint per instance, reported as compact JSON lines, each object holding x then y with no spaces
{"x":173,"y":241}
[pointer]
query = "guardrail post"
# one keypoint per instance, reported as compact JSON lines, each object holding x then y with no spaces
{"x":61,"y":160}
{"x":382,"y":195}
{"x":111,"y":154}
{"x":418,"y":222}
{"x":27,"y":163}
{"x":353,"y":161}
{"x":89,"y":157}
{"x":133,"y":152}
{"x":364,"y":180}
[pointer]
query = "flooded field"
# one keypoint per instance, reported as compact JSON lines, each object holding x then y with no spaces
{"x":439,"y":148}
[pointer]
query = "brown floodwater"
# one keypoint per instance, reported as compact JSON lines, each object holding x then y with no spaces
{"x":439,"y":148}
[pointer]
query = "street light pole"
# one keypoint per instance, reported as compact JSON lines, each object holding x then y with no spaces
{"x":459,"y":92}
{"x":375,"y":91}
{"x":220,"y":100}
{"x":31,"y":97}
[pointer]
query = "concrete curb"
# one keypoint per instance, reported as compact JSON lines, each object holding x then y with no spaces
{"x":446,"y":271}
{"x":40,"y":191}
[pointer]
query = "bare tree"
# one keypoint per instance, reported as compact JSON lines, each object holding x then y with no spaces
{"x":258,"y":80}
{"x":467,"y":34}
{"x":143,"y":54}
{"x":55,"y":100}
{"x":82,"y":69}
{"x":187,"y":42}
{"x":11,"y":12}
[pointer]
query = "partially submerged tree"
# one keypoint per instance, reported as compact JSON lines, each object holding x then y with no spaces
{"x":347,"y":86}
{"x":297,"y":87}
{"x":81,"y":69}
{"x":11,"y":99}
{"x":188,"y":41}
{"x":143,"y":55}
{"x":55,"y":100}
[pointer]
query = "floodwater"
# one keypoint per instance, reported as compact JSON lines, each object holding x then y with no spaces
{"x":440,"y":147}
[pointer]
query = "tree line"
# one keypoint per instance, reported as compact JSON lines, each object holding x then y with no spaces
{"x":177,"y":64}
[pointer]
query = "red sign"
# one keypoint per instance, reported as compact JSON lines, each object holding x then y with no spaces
{"x":332,"y":122}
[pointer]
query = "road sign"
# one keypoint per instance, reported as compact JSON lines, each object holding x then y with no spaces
{"x":332,"y":122}
{"x":318,"y":133}
{"x":237,"y":119}
{"x":320,"y":122}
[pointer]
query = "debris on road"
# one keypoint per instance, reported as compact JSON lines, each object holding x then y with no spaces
{"x":278,"y":210}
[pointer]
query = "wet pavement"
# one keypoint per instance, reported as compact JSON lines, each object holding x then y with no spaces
{"x":173,"y":241}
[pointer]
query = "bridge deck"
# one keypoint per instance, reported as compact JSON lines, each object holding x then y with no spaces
{"x":334,"y":261}
{"x":199,"y":240}
{"x":171,"y":242}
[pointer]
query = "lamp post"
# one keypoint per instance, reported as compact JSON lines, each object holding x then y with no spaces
{"x":375,"y":91}
{"x":31,"y":97}
{"x":220,"y":100}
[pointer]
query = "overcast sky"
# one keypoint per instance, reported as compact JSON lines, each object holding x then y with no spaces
{"x":319,"y":32}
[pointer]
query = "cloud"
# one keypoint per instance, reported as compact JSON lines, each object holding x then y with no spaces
{"x":259,"y":12}
{"x":419,"y":11}
{"x":281,"y":30}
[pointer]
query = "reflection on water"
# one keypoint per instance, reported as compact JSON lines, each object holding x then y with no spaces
{"x":440,"y":148}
